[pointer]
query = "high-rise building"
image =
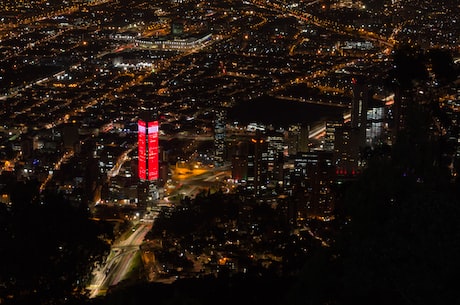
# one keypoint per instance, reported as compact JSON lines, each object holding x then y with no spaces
{"x":239,"y":168}
{"x":148,"y":128}
{"x":315,"y":173}
{"x":148,"y":155}
{"x":347,"y":144}
{"x":359,"y":107}
{"x":257,"y":172}
{"x":70,"y":136}
{"x":219,"y":137}
{"x":375,"y":129}
{"x":329,"y":137}
{"x":297,"y":139}
{"x":273,"y":158}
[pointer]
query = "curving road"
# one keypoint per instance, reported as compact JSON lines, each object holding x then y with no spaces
{"x":118,"y":263}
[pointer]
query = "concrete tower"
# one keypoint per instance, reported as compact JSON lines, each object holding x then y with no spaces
{"x":148,"y":169}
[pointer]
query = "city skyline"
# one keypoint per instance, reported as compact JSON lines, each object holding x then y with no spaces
{"x":308,"y":147}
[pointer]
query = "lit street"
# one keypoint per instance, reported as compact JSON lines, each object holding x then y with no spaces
{"x":119,"y":262}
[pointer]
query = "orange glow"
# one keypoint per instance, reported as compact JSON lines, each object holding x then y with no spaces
{"x":222,"y":260}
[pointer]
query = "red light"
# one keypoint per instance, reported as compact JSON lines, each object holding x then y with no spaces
{"x":141,"y":141}
{"x":153,"y":150}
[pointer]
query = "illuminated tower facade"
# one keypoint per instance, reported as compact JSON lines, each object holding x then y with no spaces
{"x":147,"y":149}
{"x":147,"y":143}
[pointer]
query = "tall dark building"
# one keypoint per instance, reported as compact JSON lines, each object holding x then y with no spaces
{"x":402,"y":100}
{"x":257,"y":172}
{"x":298,"y":138}
{"x":250,"y":162}
{"x":315,"y":172}
{"x":219,"y":137}
{"x":359,"y":107}
{"x":70,"y":135}
{"x":329,"y":137}
{"x":347,"y":145}
{"x":239,"y":168}
{"x":258,"y":160}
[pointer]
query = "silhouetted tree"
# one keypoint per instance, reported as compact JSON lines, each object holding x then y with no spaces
{"x":442,"y":63}
{"x":400,"y":243}
{"x":410,"y":68}
{"x":48,"y":250}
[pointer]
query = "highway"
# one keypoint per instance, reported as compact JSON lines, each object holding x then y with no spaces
{"x":119,"y":262}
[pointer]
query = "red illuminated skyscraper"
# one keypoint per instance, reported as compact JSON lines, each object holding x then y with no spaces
{"x":148,"y":128}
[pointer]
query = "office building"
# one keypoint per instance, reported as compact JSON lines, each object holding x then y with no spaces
{"x":148,"y":163}
{"x":359,"y":107}
{"x":219,"y":137}
{"x":314,"y":172}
